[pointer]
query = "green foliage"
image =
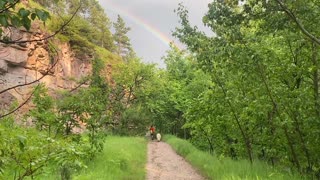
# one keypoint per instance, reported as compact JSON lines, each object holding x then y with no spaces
{"x":88,"y":106}
{"x":134,"y":120}
{"x":20,"y":17}
{"x":134,"y":87}
{"x":121,"y":40}
{"x":34,"y":152}
{"x":122,"y":158}
{"x":79,"y":32}
{"x":221,"y":167}
{"x":89,"y":30}
{"x":250,"y":90}
{"x":27,"y":153}
{"x":43,"y":113}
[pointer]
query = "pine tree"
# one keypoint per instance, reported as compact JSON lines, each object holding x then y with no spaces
{"x":121,"y":40}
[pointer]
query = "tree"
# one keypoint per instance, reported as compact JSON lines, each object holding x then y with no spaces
{"x":99,"y":19}
{"x":121,"y":40}
{"x":263,"y":66}
{"x":134,"y":81}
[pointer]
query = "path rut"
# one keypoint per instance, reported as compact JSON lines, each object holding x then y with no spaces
{"x":164,"y":164}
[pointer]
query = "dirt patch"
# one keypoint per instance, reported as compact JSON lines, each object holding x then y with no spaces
{"x":165,"y":164}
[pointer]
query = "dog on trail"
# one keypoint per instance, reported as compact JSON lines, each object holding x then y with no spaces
{"x":158,"y":137}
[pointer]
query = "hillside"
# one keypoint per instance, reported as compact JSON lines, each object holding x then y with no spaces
{"x":56,"y":61}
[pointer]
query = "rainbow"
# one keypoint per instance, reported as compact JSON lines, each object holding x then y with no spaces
{"x":141,"y":22}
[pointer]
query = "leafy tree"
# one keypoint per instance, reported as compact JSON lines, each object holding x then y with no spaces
{"x":134,"y":80}
{"x":99,"y":19}
{"x":43,"y":113}
{"x":259,"y":62}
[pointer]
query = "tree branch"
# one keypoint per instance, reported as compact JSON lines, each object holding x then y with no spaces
{"x":17,"y":108}
{"x":79,"y":85}
{"x":297,"y":21}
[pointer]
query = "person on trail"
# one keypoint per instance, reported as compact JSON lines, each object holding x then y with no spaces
{"x":152,"y":132}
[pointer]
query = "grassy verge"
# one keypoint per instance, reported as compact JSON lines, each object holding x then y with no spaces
{"x":122,"y":158}
{"x":225,"y":168}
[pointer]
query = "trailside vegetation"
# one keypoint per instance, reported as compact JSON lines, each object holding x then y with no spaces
{"x":251,"y":89}
{"x":122,"y":158}
{"x":221,"y":167}
{"x":67,"y":129}
{"x":65,"y":133}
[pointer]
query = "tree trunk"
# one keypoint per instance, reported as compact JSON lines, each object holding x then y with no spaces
{"x":208,"y":139}
{"x":302,"y":139}
{"x":293,"y":152}
{"x":315,"y":81}
{"x":275,"y":106}
{"x":243,"y":134}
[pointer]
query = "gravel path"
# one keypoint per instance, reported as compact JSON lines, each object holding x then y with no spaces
{"x":165,"y":164}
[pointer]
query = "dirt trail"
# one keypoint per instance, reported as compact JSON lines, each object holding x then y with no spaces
{"x":165,"y":164}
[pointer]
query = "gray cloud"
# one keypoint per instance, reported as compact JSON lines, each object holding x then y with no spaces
{"x":160,"y":15}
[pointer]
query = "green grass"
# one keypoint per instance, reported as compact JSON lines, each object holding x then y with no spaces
{"x":122,"y":158}
{"x":225,"y":168}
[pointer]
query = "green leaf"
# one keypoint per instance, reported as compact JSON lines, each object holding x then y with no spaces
{"x":46,"y":16}
{"x":40,"y":14}
{"x":26,"y":23}
{"x":2,"y":3}
{"x":33,"y":16}
{"x":3,"y":20}
{"x":22,"y":141}
{"x":23,"y":12}
{"x":15,"y":21}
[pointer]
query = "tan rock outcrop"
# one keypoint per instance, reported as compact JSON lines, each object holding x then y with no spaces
{"x":22,"y":63}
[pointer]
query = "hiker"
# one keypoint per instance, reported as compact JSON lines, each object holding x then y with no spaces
{"x":152,"y":131}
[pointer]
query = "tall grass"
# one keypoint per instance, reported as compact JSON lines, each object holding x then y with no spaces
{"x":122,"y":158}
{"x":225,"y":168}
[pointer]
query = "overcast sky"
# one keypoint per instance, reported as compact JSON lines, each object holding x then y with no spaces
{"x":141,"y":15}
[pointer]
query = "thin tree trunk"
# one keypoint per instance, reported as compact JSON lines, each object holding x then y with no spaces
{"x":243,"y":134}
{"x":295,"y":113}
{"x":315,"y":81}
{"x":208,"y":139}
{"x":275,"y":106}
{"x":304,"y":146}
{"x":272,"y":131}
{"x":290,"y":143}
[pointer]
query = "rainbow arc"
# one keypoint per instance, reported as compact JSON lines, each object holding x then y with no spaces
{"x":142,"y":23}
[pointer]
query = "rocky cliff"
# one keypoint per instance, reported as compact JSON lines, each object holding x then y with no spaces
{"x":22,"y":63}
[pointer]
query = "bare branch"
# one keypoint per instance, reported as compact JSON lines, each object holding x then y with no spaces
{"x":82,"y":83}
{"x":17,"y":108}
{"x":18,"y":92}
{"x":297,"y":21}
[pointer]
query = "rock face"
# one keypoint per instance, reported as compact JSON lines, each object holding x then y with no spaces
{"x":21,"y":63}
